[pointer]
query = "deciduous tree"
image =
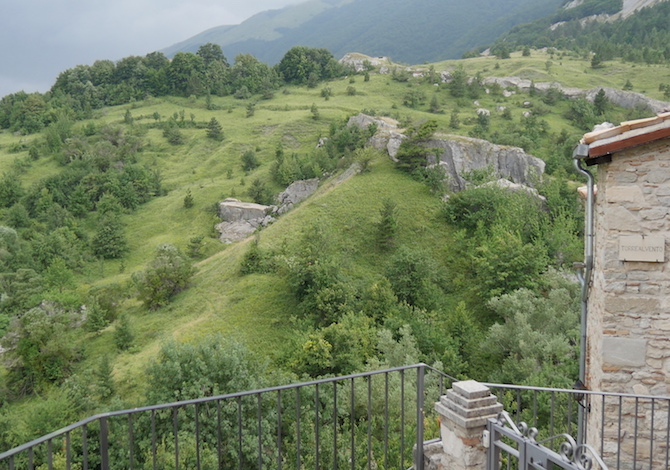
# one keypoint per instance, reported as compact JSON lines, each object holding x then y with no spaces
{"x":166,"y":275}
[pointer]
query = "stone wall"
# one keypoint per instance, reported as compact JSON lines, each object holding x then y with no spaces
{"x":629,"y":301}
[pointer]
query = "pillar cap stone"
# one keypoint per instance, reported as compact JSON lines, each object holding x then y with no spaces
{"x":468,"y":405}
{"x":471,"y":389}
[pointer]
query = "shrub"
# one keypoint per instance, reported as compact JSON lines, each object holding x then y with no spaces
{"x":255,"y":260}
{"x":250,"y":161}
{"x":260,"y":193}
{"x":414,"y":277}
{"x":210,"y":367}
{"x":188,"y":200}
{"x":168,"y":274}
{"x":110,"y":241}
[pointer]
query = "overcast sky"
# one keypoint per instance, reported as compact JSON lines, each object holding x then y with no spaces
{"x":41,"y":38}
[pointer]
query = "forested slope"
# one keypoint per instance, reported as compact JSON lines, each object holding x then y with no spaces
{"x":642,"y":37}
{"x":416,"y":32}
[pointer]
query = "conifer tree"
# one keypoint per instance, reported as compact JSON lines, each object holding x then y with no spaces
{"x":123,"y":335}
{"x":214,"y":130}
{"x":104,"y":381}
{"x":110,"y":241}
{"x":387,"y":226}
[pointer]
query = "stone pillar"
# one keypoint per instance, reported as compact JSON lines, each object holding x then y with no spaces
{"x":464,"y":412}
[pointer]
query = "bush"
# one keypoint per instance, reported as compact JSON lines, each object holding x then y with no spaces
{"x":168,"y":274}
{"x":40,"y":349}
{"x":260,"y":193}
{"x":188,"y":199}
{"x":255,"y":260}
{"x":414,"y":278}
{"x":250,"y":161}
{"x":172,"y":133}
{"x":110,"y":241}
{"x":210,"y":367}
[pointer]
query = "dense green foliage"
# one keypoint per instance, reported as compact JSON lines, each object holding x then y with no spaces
{"x":303,"y":64}
{"x":84,"y":88}
{"x":377,"y":268}
{"x":166,"y":276}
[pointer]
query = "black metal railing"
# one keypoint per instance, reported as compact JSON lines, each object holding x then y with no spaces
{"x":627,"y":431}
{"x":359,"y":421}
{"x":511,"y":446}
{"x":370,"y":420}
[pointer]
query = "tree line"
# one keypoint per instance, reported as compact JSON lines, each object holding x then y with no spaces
{"x":80,"y":90}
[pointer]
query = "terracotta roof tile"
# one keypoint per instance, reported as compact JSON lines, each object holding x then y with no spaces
{"x":628,"y":134}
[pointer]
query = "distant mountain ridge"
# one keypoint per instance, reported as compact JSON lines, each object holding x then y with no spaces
{"x":410,"y":32}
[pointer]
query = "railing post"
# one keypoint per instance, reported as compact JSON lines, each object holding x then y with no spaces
{"x":104,"y":444}
{"x":464,"y":413}
{"x":420,"y":397}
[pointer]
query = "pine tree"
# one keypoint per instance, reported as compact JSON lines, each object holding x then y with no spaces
{"x":459,"y":82}
{"x":214,"y":130}
{"x":104,"y":381}
{"x":454,"y":122}
{"x":434,"y":104}
{"x":600,"y":102}
{"x":110,"y":241}
{"x":96,"y":317}
{"x":123,"y":335}
{"x":387,"y":227}
{"x":194,"y":248}
{"x":188,"y":199}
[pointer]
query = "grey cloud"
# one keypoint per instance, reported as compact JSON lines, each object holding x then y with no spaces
{"x":41,"y":38}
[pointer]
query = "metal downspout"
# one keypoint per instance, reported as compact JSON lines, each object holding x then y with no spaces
{"x":584,"y":275}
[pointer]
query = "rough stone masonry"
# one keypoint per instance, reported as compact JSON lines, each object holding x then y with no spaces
{"x":629,"y":302}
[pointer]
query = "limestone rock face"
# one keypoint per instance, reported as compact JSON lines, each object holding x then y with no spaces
{"x":630,"y":99}
{"x":234,"y":210}
{"x":297,"y":192}
{"x":359,"y":61}
{"x":388,"y":136}
{"x":625,"y":99}
{"x":459,"y":155}
{"x":241,"y":219}
{"x":363,"y":121}
{"x":393,"y":144}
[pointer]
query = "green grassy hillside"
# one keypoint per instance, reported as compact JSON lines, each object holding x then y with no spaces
{"x":359,"y":279}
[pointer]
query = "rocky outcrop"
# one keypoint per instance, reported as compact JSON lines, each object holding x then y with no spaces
{"x":625,"y":99}
{"x":524,"y":85}
{"x":458,"y":156}
{"x":241,"y":219}
{"x":508,"y":185}
{"x":388,"y":136}
{"x":359,"y":62}
{"x":630,"y":99}
{"x":629,"y":7}
{"x":297,"y":192}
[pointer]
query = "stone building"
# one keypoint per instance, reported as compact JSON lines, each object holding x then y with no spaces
{"x":627,"y":301}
